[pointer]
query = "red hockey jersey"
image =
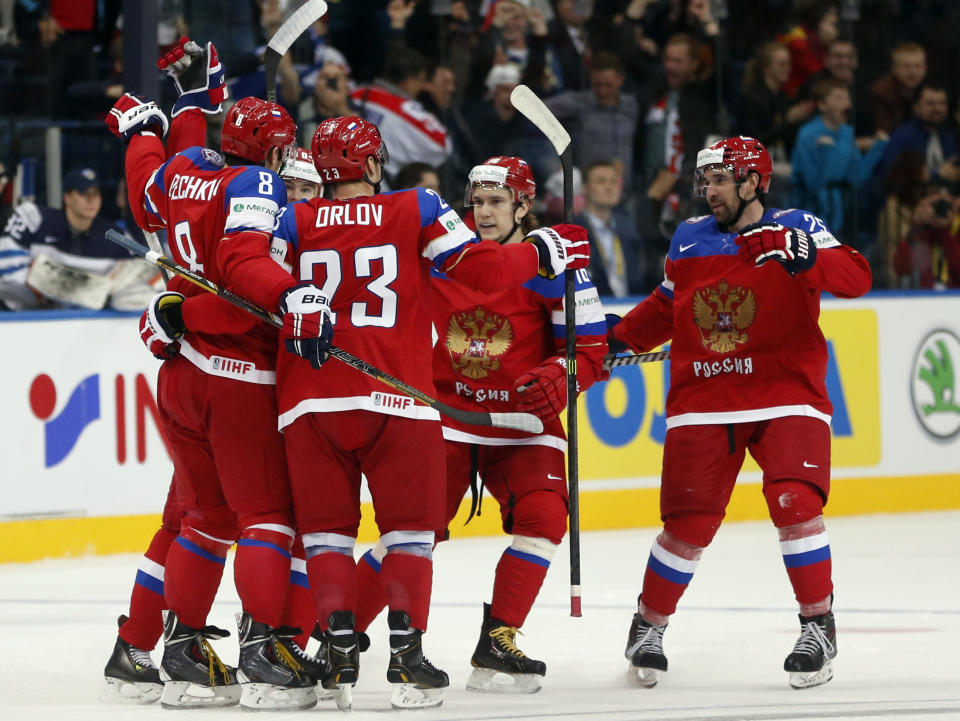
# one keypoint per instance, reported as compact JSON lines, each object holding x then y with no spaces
{"x":747,"y":344}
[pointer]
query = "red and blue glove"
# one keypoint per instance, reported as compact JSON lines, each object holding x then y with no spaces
{"x":543,"y":390}
{"x":307,"y":328}
{"x":161,"y":325}
{"x":791,"y":247}
{"x":558,"y":250}
{"x":133,"y":115}
{"x":198,"y":75}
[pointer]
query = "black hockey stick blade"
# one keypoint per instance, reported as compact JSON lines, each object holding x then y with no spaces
{"x":286,"y":34}
{"x":526,"y":422}
{"x":615,"y":361}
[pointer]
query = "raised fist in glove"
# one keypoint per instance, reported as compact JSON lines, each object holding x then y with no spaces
{"x":558,"y":253}
{"x":543,"y":390}
{"x":161,"y":325}
{"x":133,"y":115}
{"x":198,"y":75}
{"x":792,"y":247}
{"x":307,"y":329}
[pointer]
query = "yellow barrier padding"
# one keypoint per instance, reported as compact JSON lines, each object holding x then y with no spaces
{"x":33,"y":540}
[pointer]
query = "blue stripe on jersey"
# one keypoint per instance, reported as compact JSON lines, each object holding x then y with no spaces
{"x":299,"y":579}
{"x":371,"y":560}
{"x":255,"y":181}
{"x":287,"y":225}
{"x":263,"y":544}
{"x":13,"y":269}
{"x":149,"y":582}
{"x":600,"y":328}
{"x":545,"y":287}
{"x":670,"y":574}
{"x":201,"y":158}
{"x":666,"y":291}
{"x":440,"y":258}
{"x":203,"y":553}
{"x":527,"y":557}
{"x":10,"y":253}
{"x":432,"y":206}
{"x":806,"y":558}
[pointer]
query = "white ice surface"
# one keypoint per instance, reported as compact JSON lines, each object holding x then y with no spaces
{"x":897,"y":606}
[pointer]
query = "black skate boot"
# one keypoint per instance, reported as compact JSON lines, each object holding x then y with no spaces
{"x":498,"y":665}
{"x":809,"y":663}
{"x":193,"y":675}
{"x":269,"y":671}
{"x":343,"y":658}
{"x":417,"y":682}
{"x":130,"y":676}
{"x":645,"y":650}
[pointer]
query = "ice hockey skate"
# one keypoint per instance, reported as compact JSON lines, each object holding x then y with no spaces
{"x":193,"y":675}
{"x":417,"y":682}
{"x":645,"y":651}
{"x":343,"y":658}
{"x":130,"y":676}
{"x":498,"y":665}
{"x":809,"y":664}
{"x":270,"y":673}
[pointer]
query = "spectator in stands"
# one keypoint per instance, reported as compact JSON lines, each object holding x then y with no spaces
{"x":904,"y":185}
{"x":418,"y":175}
{"x":516,"y":33}
{"x":602,"y":120}
{"x":569,"y":43}
{"x":929,"y":257}
{"x":495,"y":123}
{"x":892,"y":96}
{"x":927,"y":132}
{"x":807,"y":41}
{"x":827,"y":165}
{"x":77,"y":258}
{"x":617,"y":265}
{"x":437,"y":97}
{"x":764,"y":111}
{"x":331,"y":99}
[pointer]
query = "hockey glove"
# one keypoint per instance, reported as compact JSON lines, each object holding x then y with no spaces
{"x":198,"y":75}
{"x":556,"y":252}
{"x":792,"y":247}
{"x":161,"y":325}
{"x":133,"y":115}
{"x":543,"y":390}
{"x":578,"y":244}
{"x":307,"y":329}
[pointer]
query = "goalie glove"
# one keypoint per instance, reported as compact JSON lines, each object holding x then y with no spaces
{"x":161,"y":325}
{"x":198,"y":75}
{"x":791,"y":247}
{"x":543,"y":390}
{"x":135,"y":115}
{"x":558,"y":253}
{"x":307,"y":329}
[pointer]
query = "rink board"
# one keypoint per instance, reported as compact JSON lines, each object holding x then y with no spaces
{"x":85,"y":469}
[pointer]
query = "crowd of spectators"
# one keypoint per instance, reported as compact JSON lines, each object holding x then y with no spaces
{"x":857,"y":102}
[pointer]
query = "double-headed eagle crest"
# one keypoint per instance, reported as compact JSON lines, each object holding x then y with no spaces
{"x":722,"y":314}
{"x":476,"y":339}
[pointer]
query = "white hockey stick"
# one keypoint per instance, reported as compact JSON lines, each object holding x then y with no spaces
{"x":305,"y":16}
{"x":154,"y":242}
{"x":533,"y":108}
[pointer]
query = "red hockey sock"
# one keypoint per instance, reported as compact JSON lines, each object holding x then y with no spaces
{"x":407,"y":581}
{"x":299,"y":610}
{"x":195,"y":565}
{"x":333,"y":582}
{"x":261,"y":571}
{"x":806,"y":554}
{"x":516,"y":585}
{"x":145,"y":625}
{"x":670,"y":568}
{"x":371,"y":599}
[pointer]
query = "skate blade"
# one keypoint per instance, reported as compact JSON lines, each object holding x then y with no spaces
{"x":269,"y":697}
{"x":815,"y":678}
{"x":183,"y":694}
{"x":343,"y":696}
{"x":645,"y":677}
{"x":487,"y":680}
{"x":409,"y":695}
{"x":118,"y":691}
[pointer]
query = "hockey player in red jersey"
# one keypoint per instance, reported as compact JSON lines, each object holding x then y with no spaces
{"x":217,"y":398}
{"x":372,"y":255}
{"x":504,"y":351}
{"x":740,"y":300}
{"x":301,"y":177}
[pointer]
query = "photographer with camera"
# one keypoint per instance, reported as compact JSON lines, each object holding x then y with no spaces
{"x":929,"y":257}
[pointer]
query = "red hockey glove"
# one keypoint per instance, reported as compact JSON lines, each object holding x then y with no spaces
{"x":133,"y":114}
{"x":558,"y":253}
{"x":578,"y":244}
{"x":307,"y":329}
{"x":792,"y":247}
{"x":198,"y":75}
{"x":543,"y":390}
{"x":162,"y":324}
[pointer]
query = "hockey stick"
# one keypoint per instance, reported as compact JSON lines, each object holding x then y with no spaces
{"x":154,"y":242}
{"x":615,"y":361}
{"x":294,"y":27}
{"x":530,"y":106}
{"x":526,"y":422}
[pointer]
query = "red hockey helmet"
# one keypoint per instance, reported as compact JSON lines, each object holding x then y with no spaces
{"x":342,"y":145}
{"x":740,"y":156}
{"x":253,"y":126}
{"x":505,"y":172}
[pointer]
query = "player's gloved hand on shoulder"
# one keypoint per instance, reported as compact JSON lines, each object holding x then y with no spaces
{"x":558,"y":253}
{"x":198,"y":75}
{"x":161,"y":325}
{"x":134,"y":115}
{"x":792,"y":247}
{"x":543,"y":390}
{"x":578,"y":244}
{"x":616,"y":345}
{"x":307,"y":329}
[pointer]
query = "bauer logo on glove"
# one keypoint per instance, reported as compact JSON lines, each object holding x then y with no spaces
{"x":793,"y":248}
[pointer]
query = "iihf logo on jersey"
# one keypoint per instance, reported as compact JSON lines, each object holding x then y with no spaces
{"x":62,"y":431}
{"x":935,"y":382}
